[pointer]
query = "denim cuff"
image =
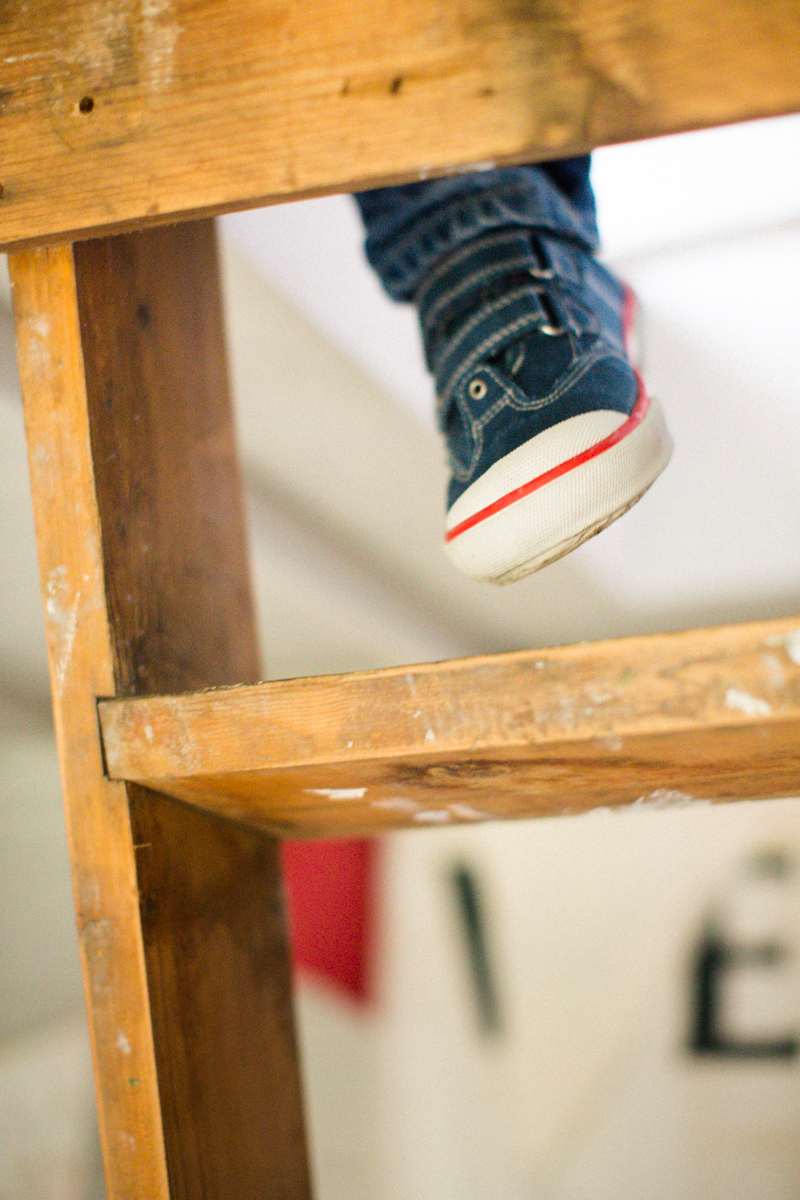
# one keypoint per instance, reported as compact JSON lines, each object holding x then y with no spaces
{"x":409,"y":229}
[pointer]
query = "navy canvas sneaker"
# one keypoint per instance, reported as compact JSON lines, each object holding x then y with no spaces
{"x":550,"y":431}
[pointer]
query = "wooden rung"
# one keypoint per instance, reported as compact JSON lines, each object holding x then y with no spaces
{"x":708,"y":714}
{"x":136,"y":113}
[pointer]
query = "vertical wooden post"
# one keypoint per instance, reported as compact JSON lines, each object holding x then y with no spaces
{"x":143,"y":563}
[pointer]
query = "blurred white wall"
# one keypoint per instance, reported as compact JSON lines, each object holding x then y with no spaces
{"x":586,"y":1090}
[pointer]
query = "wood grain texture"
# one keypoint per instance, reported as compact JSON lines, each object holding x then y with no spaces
{"x":218,"y":972}
{"x":142,"y":555}
{"x":117,"y":113}
{"x":79,"y":644}
{"x":176,"y":571}
{"x":704,"y":714}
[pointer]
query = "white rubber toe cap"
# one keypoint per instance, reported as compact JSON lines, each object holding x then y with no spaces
{"x":555,"y":491}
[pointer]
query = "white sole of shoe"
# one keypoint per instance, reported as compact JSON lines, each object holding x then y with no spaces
{"x":556,"y":491}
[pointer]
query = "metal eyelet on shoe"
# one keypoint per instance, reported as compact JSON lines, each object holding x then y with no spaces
{"x":553,"y":312}
{"x":477,"y":389}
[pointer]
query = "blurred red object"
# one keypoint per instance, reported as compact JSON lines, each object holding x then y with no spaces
{"x":331,"y":891}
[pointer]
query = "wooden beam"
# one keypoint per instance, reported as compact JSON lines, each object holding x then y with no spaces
{"x":707,"y":714}
{"x":143,"y":567}
{"x":115,"y":115}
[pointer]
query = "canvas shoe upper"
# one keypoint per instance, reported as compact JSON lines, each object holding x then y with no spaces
{"x":550,"y":432}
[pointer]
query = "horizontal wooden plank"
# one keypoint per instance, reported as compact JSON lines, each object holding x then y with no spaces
{"x":117,"y":113}
{"x":703,"y":714}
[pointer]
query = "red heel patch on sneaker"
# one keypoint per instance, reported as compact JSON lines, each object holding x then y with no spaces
{"x":635,"y":419}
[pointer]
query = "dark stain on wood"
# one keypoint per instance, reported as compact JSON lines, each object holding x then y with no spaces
{"x":181,"y":615}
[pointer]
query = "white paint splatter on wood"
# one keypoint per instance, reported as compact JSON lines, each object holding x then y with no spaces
{"x":185,"y":741}
{"x":751,"y":706}
{"x":160,"y":33}
{"x":100,"y":26}
{"x":466,"y":813}
{"x":792,"y":645}
{"x":357,"y":793}
{"x":62,"y":620}
{"x":773,"y":668}
{"x":32,"y":57}
{"x":666,"y":798}
{"x":396,"y":804}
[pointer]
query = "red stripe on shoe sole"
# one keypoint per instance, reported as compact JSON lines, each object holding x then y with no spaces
{"x":634,"y":420}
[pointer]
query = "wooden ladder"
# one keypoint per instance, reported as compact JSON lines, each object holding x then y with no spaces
{"x":126,"y":127}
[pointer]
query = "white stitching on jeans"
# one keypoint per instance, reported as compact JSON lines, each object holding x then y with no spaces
{"x":473,"y":281}
{"x":492,"y":238}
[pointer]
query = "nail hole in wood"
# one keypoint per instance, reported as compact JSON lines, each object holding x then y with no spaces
{"x":86,"y":104}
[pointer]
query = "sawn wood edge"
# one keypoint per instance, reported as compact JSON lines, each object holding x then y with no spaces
{"x":662,"y":719}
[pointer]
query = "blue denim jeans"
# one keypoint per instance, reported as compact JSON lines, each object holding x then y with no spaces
{"x":412,"y":226}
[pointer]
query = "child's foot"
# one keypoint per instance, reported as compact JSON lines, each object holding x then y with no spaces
{"x":550,"y":431}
